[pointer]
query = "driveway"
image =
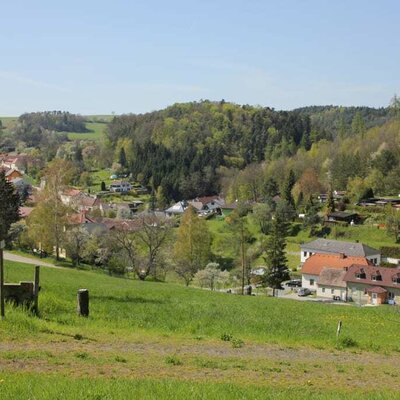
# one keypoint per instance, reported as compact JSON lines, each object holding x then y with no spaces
{"x":27,"y":260}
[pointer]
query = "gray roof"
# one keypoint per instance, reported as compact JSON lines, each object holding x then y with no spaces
{"x":332,"y":277}
{"x":336,"y":246}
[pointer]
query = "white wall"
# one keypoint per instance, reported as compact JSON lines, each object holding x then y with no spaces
{"x":330,"y":291}
{"x":306,"y":281}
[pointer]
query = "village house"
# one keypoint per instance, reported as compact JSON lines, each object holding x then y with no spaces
{"x":342,"y":217}
{"x":373,"y":285}
{"x":16,"y":162}
{"x":79,"y":200}
{"x":325,"y":246}
{"x":120,"y":187}
{"x":177,"y":209}
{"x":322,"y":264}
{"x":11,"y":173}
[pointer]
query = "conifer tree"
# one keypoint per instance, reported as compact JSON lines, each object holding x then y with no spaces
{"x":330,"y":202}
{"x":122,"y":158}
{"x":9,"y":206}
{"x":277,"y":270}
{"x":287,"y":188}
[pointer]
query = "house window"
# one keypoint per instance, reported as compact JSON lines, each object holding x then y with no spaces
{"x":312,"y":282}
{"x":323,"y":290}
{"x":332,"y":291}
{"x":305,"y":254}
{"x":365,"y":291}
{"x":391,"y":296}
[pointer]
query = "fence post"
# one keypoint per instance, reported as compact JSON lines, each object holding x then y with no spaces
{"x":36,"y":290}
{"x":83,"y":302}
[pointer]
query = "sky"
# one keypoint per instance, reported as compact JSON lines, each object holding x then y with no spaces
{"x":121,"y":56}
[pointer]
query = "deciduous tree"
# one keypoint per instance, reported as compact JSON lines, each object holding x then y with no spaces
{"x":192,"y":246}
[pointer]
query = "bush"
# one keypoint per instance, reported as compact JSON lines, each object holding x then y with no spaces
{"x":226,"y":337}
{"x":237,"y":343}
{"x":347,"y":342}
{"x":173,"y":360}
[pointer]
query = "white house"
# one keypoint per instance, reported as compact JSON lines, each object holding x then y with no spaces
{"x":325,"y":246}
{"x":120,"y":187}
{"x":314,"y":265}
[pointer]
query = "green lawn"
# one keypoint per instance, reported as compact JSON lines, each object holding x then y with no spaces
{"x":126,"y":306}
{"x":157,"y":340}
{"x":29,"y":386}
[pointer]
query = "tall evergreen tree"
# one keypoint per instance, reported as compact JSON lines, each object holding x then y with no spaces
{"x":9,"y":206}
{"x":122,"y":158}
{"x":277,"y":270}
{"x":330,"y":202}
{"x":287,"y":188}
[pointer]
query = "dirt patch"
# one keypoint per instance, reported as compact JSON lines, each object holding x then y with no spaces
{"x":200,"y":360}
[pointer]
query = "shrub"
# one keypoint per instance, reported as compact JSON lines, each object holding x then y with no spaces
{"x":173,"y":360}
{"x":226,"y":337}
{"x":237,"y":343}
{"x":346,"y":342}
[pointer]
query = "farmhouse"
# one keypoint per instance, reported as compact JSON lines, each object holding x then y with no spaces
{"x":318,"y":264}
{"x":325,"y":246}
{"x":120,"y":187}
{"x":372,"y":284}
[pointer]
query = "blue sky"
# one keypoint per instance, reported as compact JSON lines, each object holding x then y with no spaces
{"x":98,"y":57}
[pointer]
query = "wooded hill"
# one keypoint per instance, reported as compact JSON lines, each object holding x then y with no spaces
{"x":187,"y":148}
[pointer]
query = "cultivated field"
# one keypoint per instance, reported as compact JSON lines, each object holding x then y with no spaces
{"x":156,"y":340}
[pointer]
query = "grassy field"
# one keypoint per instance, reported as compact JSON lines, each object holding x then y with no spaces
{"x":97,"y":130}
{"x":156,"y":340}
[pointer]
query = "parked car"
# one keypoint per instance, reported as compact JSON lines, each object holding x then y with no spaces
{"x":304,"y":292}
{"x":293,"y":283}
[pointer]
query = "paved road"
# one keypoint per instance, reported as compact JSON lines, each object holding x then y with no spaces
{"x":27,"y":260}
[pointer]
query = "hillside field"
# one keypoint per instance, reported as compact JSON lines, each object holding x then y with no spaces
{"x":160,"y":340}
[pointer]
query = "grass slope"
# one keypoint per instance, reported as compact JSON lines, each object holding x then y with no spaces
{"x":156,"y":340}
{"x":125,"y":306}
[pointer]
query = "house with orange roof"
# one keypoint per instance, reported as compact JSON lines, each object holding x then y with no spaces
{"x":317,"y":266}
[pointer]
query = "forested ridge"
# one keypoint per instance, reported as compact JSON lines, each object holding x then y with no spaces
{"x":193,"y":148}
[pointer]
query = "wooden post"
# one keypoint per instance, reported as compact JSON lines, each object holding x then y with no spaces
{"x":83,"y":302}
{"x":2,"y":308}
{"x":36,"y":290}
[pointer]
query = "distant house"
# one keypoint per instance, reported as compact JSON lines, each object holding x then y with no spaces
{"x":120,"y":187}
{"x":316,"y":264}
{"x":177,"y":209}
{"x":325,"y":246}
{"x":210,"y":202}
{"x":17,"y":162}
{"x":11,"y":173}
{"x":342,"y":216}
{"x":372,"y":284}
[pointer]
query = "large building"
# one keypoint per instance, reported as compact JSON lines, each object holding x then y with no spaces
{"x":317,"y":264}
{"x":325,"y":246}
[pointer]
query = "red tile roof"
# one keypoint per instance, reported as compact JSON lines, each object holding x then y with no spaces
{"x":317,"y":262}
{"x":387,"y":276}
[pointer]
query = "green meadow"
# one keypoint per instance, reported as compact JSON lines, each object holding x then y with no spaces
{"x":161,"y":340}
